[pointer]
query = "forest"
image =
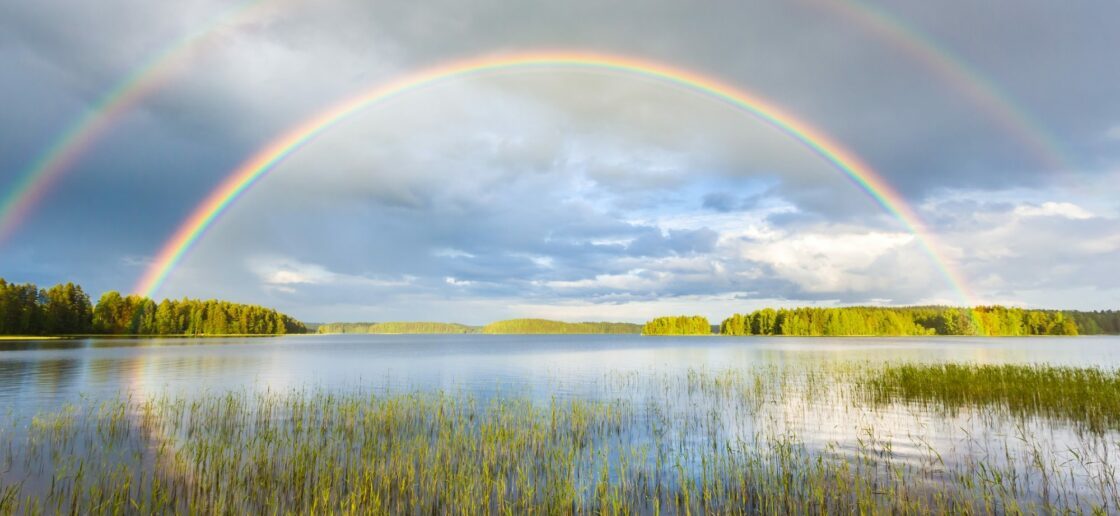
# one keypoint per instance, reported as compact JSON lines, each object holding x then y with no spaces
{"x":678,"y":325}
{"x":506,"y":327}
{"x":545,"y":326}
{"x":397,"y":327}
{"x":990,"y":321}
{"x":65,"y":309}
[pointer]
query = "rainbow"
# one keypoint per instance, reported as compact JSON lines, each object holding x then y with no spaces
{"x":265,"y":160}
{"x":64,"y":151}
{"x":60,"y":155}
{"x":954,"y":71}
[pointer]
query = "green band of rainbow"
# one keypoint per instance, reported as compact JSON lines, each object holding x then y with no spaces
{"x":34,"y":181}
{"x":219,"y":200}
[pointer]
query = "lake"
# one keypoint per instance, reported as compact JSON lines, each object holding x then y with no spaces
{"x":41,"y":375}
{"x":683,"y":397}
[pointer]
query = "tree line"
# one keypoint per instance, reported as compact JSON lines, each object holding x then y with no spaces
{"x":66,"y":310}
{"x":545,"y":326}
{"x":822,"y":321}
{"x":993,"y":321}
{"x":506,"y":327}
{"x":397,"y":327}
{"x":678,"y":325}
{"x":988,"y":321}
{"x":27,"y":310}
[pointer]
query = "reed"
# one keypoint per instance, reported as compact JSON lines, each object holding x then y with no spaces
{"x":1087,"y":397}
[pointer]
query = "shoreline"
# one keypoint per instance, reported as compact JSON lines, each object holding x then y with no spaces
{"x":12,"y":338}
{"x":732,"y":336}
{"x":134,"y":336}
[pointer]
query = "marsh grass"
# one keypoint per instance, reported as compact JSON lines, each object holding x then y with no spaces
{"x":1086,"y":397}
{"x":719,"y":442}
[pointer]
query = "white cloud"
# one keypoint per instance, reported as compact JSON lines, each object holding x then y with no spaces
{"x":452,"y":253}
{"x":1053,"y":209}
{"x":828,"y":262}
{"x":1102,"y":245}
{"x":634,"y":280}
{"x":284,"y":272}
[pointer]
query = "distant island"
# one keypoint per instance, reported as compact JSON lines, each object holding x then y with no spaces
{"x":984,"y":321}
{"x":396,"y":328}
{"x":545,"y":326}
{"x":507,"y":327}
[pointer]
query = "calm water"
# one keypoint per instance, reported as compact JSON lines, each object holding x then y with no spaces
{"x":43,"y":375}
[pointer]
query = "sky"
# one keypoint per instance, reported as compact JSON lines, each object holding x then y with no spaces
{"x":573,"y":194}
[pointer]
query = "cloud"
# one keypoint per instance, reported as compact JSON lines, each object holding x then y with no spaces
{"x":509,"y":193}
{"x":280,"y":271}
{"x":1054,"y":209}
{"x":829,"y":262}
{"x":287,"y":272}
{"x":457,"y":282}
{"x":635,"y":280}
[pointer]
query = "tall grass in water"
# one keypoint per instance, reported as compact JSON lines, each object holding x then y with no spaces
{"x":722,"y":442}
{"x":1086,"y":397}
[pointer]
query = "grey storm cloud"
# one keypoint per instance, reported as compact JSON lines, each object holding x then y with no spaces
{"x":567,"y":185}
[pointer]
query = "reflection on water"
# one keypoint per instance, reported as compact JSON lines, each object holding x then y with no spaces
{"x":41,"y":375}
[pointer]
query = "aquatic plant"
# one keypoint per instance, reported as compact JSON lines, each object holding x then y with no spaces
{"x":1087,"y":397}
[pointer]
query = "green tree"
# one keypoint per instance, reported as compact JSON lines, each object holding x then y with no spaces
{"x":679,"y":325}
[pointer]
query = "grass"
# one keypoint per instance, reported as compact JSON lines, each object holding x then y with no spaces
{"x":1082,"y":396}
{"x":734,"y":441}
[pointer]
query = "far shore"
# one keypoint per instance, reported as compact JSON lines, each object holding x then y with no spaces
{"x":135,"y":336}
{"x":719,"y":335}
{"x":309,"y":334}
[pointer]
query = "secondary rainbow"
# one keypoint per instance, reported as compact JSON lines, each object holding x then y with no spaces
{"x":34,"y":181}
{"x":265,"y":160}
{"x":956,"y":72}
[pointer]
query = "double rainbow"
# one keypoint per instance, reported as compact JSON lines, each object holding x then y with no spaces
{"x":32,"y":184}
{"x":264,"y":161}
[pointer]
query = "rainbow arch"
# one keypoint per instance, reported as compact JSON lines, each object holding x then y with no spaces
{"x":35,"y":180}
{"x":267,"y":158}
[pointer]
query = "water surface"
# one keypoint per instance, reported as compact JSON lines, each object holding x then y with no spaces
{"x":44,"y":375}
